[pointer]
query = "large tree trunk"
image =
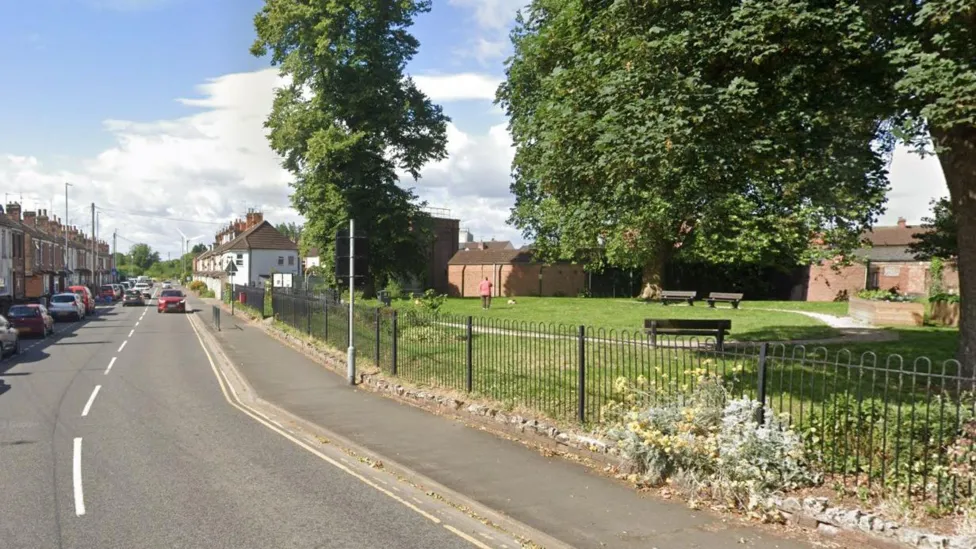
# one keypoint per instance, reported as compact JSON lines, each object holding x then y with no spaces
{"x":958,"y":159}
{"x":652,"y":280}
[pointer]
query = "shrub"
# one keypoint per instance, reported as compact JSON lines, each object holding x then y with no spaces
{"x":207,"y":293}
{"x":196,"y":285}
{"x":884,"y":295}
{"x":394,"y":289}
{"x":710,"y":444}
{"x":432,"y":301}
{"x":944,"y":298}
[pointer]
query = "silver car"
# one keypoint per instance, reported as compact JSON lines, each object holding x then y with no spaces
{"x":66,"y":307}
{"x":9,"y":338}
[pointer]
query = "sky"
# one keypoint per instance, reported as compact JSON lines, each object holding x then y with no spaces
{"x":153,"y":110}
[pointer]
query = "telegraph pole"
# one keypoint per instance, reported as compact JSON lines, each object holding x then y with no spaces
{"x":94,"y":237}
{"x":115,"y":241}
{"x":351,"y":358}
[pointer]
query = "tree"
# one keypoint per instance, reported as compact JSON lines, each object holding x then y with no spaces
{"x":292,"y":230}
{"x":347,"y":119}
{"x":939,"y":239}
{"x":735,"y":131}
{"x":198,"y":249}
{"x":142,"y":256}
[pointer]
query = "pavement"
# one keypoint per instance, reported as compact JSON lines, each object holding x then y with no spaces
{"x":563,"y":499}
{"x":117,"y":433}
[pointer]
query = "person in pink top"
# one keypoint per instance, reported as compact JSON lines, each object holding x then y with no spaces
{"x":485,"y":288}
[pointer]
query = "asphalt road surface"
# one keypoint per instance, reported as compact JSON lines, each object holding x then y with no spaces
{"x":115,"y":433}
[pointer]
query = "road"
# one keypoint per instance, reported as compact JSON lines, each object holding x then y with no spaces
{"x":116,"y":433}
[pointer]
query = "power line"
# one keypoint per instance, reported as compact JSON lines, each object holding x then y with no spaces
{"x":160,"y":217}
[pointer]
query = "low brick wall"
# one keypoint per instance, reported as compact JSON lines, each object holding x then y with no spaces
{"x":886,"y":313}
{"x":946,"y":314}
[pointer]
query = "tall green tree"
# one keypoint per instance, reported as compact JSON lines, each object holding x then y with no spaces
{"x":292,"y":230}
{"x":347,"y":119}
{"x":940,"y":237}
{"x":142,"y":256}
{"x":732,"y":131}
{"x":198,"y":249}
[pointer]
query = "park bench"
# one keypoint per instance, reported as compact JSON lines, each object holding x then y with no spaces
{"x":675,"y":296}
{"x":683,"y":327}
{"x":716,"y":297}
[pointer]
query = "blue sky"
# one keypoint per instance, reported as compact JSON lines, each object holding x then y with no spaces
{"x":95,"y":93}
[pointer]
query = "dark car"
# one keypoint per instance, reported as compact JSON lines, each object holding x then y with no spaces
{"x":171,"y":301}
{"x":133,"y":297}
{"x":31,"y":319}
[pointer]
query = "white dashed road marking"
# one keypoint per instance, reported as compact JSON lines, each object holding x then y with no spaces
{"x":91,"y":400}
{"x":132,"y":331}
{"x":110,"y":363}
{"x":123,"y":345}
{"x":76,"y":470}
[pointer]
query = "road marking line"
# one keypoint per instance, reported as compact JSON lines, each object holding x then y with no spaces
{"x":262,"y":419}
{"x":132,"y":331}
{"x":110,"y":363}
{"x":76,"y":471}
{"x":91,"y":400}
{"x":122,"y":346}
{"x":468,"y":538}
{"x":137,"y":323}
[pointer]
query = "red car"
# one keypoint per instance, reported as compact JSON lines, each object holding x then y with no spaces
{"x":31,"y":319}
{"x":86,"y":297}
{"x":108,"y":292}
{"x":171,"y":301}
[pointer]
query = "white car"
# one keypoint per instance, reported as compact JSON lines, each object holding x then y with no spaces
{"x":66,"y":306}
{"x":167,"y":286}
{"x":143,"y":289}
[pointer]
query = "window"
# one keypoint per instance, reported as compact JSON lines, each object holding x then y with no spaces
{"x":3,"y":244}
{"x":291,"y":260}
{"x":240,"y":260}
{"x":281,"y":260}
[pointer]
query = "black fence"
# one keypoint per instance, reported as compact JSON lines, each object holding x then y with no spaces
{"x":878,"y":425}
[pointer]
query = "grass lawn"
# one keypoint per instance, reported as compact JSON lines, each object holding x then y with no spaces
{"x":749,"y":323}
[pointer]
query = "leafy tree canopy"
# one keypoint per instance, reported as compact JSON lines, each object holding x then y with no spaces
{"x":735,"y":130}
{"x":348,"y":119}
{"x":292,"y":230}
{"x":142,"y":256}
{"x":198,"y":249}
{"x":939,"y":240}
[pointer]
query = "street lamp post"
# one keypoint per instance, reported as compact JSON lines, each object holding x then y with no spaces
{"x":66,"y":185}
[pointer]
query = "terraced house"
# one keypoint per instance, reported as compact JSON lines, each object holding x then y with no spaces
{"x":11,"y":257}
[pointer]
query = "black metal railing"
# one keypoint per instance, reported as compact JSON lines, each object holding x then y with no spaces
{"x":880,"y":426}
{"x":252,"y":297}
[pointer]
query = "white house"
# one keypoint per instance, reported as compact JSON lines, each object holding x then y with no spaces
{"x":312,"y":259}
{"x":7,"y":228}
{"x":257,"y":253}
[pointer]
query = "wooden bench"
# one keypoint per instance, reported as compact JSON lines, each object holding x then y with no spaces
{"x":679,"y":327}
{"x":716,"y":297}
{"x":675,"y":296}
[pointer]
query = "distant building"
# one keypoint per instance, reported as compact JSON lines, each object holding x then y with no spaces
{"x":512,"y":272}
{"x":464,"y":235}
{"x":311,"y":259}
{"x":887,"y":263}
{"x":255,"y":247}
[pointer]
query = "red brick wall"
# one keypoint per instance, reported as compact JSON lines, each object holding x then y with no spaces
{"x":517,"y":280}
{"x":34,"y":286}
{"x":826,"y":284}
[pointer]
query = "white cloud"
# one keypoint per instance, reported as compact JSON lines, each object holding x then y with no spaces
{"x":458,"y":87}
{"x":492,"y":14}
{"x":211,"y":164}
{"x":915,"y":181}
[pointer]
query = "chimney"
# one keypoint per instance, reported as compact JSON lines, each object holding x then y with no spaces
{"x":13,"y":211}
{"x":902,"y":223}
{"x":42,"y":219}
{"x":30,"y":218}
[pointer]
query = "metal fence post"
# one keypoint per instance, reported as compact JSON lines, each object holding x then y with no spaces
{"x":469,"y":376}
{"x":325,"y":305}
{"x":761,"y":383}
{"x":308,"y":315}
{"x":232,"y":289}
{"x":377,"y":337}
{"x":216,"y":317}
{"x":394,"y":349}
{"x":581,"y":378}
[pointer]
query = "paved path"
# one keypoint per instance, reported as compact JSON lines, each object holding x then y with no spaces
{"x":117,"y":434}
{"x":851,"y":330}
{"x":559,"y":497}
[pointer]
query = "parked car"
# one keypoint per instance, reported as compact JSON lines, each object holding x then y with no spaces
{"x":133,"y":298}
{"x":119,"y":290}
{"x":167,"y":286}
{"x":107,"y":292}
{"x":171,"y":301}
{"x":68,"y":307}
{"x":31,"y":319}
{"x":86,"y":297}
{"x":9,"y":338}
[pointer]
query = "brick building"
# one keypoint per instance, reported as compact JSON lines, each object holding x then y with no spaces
{"x":512,"y":272}
{"x":886,"y":264}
